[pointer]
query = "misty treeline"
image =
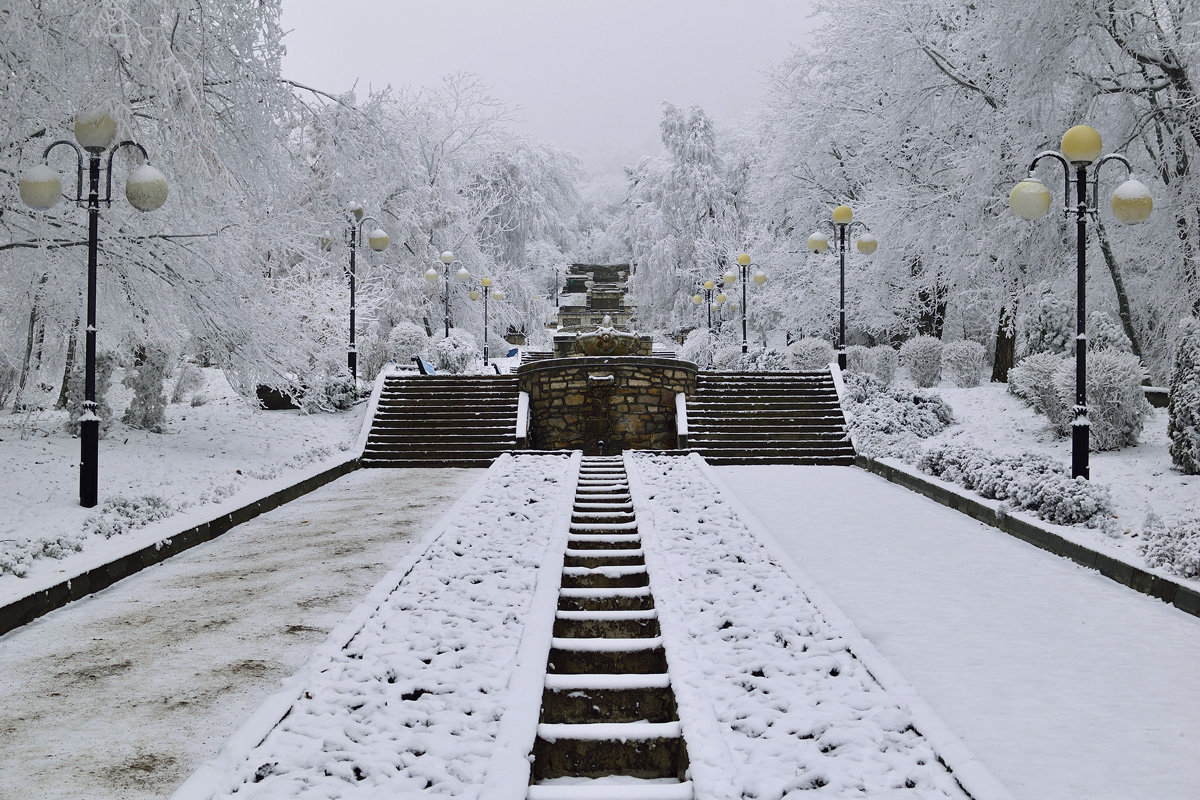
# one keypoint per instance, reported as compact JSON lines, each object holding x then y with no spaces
{"x":921,"y":115}
{"x":245,"y":265}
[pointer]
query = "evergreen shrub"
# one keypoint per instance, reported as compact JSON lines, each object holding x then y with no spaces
{"x":922,"y":357}
{"x":812,"y":355}
{"x":963,"y":362}
{"x":1183,"y":410}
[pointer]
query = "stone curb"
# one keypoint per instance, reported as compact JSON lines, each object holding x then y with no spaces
{"x":1184,"y":598}
{"x":28,"y":608}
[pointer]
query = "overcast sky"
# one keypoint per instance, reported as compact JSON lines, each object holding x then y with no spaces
{"x":588,"y":76}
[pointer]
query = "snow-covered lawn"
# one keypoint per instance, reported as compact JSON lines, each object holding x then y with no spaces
{"x":1140,"y":478}
{"x":214,"y":456}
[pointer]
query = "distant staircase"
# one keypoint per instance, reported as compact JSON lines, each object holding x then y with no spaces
{"x":443,"y":421}
{"x":530,"y":356}
{"x":768,"y":418}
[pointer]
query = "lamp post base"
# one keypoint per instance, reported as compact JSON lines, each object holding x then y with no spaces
{"x":841,"y":359}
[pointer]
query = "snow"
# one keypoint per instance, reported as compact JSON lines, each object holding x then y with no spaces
{"x":1063,"y":683}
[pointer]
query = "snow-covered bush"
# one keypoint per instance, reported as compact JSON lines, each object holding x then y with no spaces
{"x":456,"y":352}
{"x":763,"y":359}
{"x":1105,"y":333}
{"x":1183,"y":426}
{"x":17,"y":555}
{"x":1048,"y":326}
{"x":148,"y":408}
{"x":922,"y":357}
{"x":1117,"y":405}
{"x":372,"y":350}
{"x":1173,"y":546}
{"x":858,"y":358}
{"x":813,"y":355}
{"x":1030,"y":481}
{"x":884,"y":361}
{"x":696,"y":346}
{"x":963,"y":362}
{"x":405,"y":340}
{"x":727,"y":357}
{"x":1035,"y":380}
{"x":892,"y":422}
{"x":122,"y":514}
{"x":190,"y":379}
{"x":75,"y":391}
{"x":333,"y":390}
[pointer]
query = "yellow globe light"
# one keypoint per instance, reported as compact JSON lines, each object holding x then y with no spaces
{"x":818,"y":243}
{"x":729,"y":277}
{"x":447,"y":257}
{"x":760,"y":277}
{"x":146,"y":189}
{"x":867,"y":244}
{"x":431,"y":275}
{"x":41,"y":187}
{"x":497,"y":295}
{"x":721,"y":298}
{"x":378,"y":240}
{"x":463,"y":275}
{"x":1081,"y":145}
{"x":709,"y":285}
{"x":357,"y":210}
{"x":744,"y":259}
{"x":95,"y":129}
{"x":474,"y":294}
{"x":1132,"y":203}
{"x":715,"y":307}
{"x":697,"y":299}
{"x":842,"y":215}
{"x":1029,"y":199}
{"x":486,"y":281}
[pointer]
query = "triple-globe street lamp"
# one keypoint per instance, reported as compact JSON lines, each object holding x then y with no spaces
{"x":1131,"y":204}
{"x":378,"y":241}
{"x":41,"y":189}
{"x":842,"y":225}
{"x":447,"y":260}
{"x":758,"y":276}
{"x":485,"y":289}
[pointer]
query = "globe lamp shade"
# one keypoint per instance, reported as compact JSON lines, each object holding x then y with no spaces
{"x":729,"y":277}
{"x":867,"y":244}
{"x":743,"y":260}
{"x":1081,"y":145}
{"x":41,"y":187}
{"x":1132,"y":203}
{"x":447,"y":257}
{"x":474,"y":294}
{"x":697,"y":299}
{"x":146,"y":188}
{"x":842,"y":215}
{"x":818,"y":243}
{"x":431,"y":275}
{"x":378,"y":240}
{"x":95,"y":129}
{"x":760,"y":277}
{"x":1029,"y":199}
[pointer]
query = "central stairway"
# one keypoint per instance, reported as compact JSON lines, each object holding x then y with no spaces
{"x":768,"y":418}
{"x":609,"y":725}
{"x":443,"y":421}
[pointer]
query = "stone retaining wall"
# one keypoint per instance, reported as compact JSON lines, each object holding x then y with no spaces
{"x":604,"y":404}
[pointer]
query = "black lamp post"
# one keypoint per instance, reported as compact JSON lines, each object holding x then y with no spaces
{"x":486,"y":284}
{"x":431,"y":275}
{"x":378,"y":241}
{"x":712,"y":300}
{"x":841,"y":225}
{"x":759,"y":277}
{"x":1131,"y":204}
{"x":41,"y":188}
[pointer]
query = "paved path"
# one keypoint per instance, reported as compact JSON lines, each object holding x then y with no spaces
{"x":1064,"y":683}
{"x":122,"y":695}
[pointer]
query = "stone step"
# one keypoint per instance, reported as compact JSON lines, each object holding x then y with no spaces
{"x":747,"y":460}
{"x":603,"y":542}
{"x":634,"y":749}
{"x":589,"y":625}
{"x":609,"y":656}
{"x":604,"y":577}
{"x":432,"y":446}
{"x":593,"y":559}
{"x":626,"y":599}
{"x":441,"y":463}
{"x":613,"y":788}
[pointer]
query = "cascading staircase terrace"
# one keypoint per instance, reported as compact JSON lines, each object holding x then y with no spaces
{"x":608,"y":716}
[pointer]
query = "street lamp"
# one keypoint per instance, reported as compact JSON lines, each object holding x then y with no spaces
{"x":475,"y":294}
{"x":41,"y":189}
{"x":431,"y":275}
{"x":758,"y":276}
{"x":842,"y":223}
{"x":712,"y":301}
{"x":1131,"y":204}
{"x":377,"y":240}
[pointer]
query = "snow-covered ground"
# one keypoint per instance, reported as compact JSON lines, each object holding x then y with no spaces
{"x":1065,"y":684}
{"x":215,"y":456}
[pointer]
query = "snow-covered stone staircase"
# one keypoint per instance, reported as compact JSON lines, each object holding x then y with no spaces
{"x":609,"y":726}
{"x":768,"y":418}
{"x":443,"y":421}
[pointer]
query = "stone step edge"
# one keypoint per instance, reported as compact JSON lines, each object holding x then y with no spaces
{"x":630,"y":553}
{"x":605,"y":645}
{"x":602,"y":681}
{"x":606,"y":616}
{"x":608,"y":731}
{"x":603,"y":592}
{"x":600,"y":789}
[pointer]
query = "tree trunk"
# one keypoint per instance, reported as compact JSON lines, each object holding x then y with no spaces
{"x":62,"y":392}
{"x":1006,"y":347}
{"x":1123,"y":307}
{"x":18,"y":398}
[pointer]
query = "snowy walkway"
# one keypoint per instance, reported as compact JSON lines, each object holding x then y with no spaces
{"x":1065,"y":684}
{"x":122,"y":695}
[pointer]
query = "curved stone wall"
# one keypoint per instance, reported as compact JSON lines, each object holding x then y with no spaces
{"x":604,"y":404}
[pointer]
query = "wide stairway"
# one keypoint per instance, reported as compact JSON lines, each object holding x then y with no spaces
{"x":443,"y":421}
{"x":609,"y":726}
{"x":768,"y":418}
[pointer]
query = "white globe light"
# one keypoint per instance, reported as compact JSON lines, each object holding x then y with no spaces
{"x":1029,"y":199}
{"x":729,"y":277}
{"x":95,"y":129}
{"x":378,"y":240}
{"x":1132,"y":203}
{"x":447,"y":257}
{"x":697,"y":299}
{"x":867,"y":244}
{"x":760,"y":277}
{"x":462,"y":274}
{"x":431,"y":275}
{"x":146,"y":188}
{"x":41,"y":187}
{"x":818,"y":243}
{"x":474,"y":295}
{"x":497,"y":295}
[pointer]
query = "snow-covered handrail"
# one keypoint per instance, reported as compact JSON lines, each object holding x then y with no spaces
{"x":840,"y":385}
{"x":681,"y":420}
{"x":522,"y":418}
{"x":372,"y":407}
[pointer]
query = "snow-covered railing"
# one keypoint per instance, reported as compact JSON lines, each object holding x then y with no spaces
{"x":840,"y":385}
{"x":372,"y":407}
{"x":522,"y":419}
{"x":681,"y":420}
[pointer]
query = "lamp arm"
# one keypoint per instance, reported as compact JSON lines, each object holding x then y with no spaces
{"x":112,"y":152}
{"x":356,"y":230}
{"x":1096,"y":175}
{"x":826,"y":224}
{"x":1066,"y":165}
{"x":78,"y":166}
{"x":858,"y":227}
